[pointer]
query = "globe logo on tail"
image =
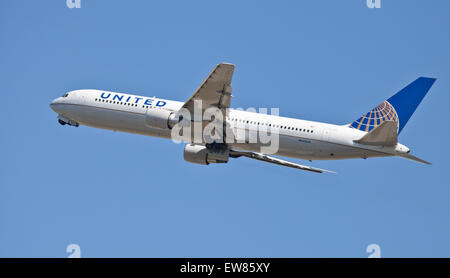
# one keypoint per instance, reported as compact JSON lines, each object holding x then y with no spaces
{"x":383,"y":112}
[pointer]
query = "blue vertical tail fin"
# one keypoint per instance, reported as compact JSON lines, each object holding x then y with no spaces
{"x":398,"y":108}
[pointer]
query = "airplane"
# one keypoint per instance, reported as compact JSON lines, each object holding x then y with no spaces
{"x":374,"y":134}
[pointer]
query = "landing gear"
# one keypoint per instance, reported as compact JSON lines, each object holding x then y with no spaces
{"x":61,"y":122}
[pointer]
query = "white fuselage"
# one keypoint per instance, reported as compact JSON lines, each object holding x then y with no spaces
{"x":297,"y":138}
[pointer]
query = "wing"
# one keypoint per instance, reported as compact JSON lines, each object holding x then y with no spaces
{"x":415,"y":158}
{"x":274,"y":160}
{"x":215,"y":91}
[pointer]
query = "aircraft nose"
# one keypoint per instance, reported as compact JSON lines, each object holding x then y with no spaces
{"x":54,"y":104}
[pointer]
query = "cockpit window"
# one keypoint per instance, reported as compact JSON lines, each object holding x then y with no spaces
{"x":65,"y":95}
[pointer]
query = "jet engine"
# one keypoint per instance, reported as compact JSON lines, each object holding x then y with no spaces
{"x":161,"y":118}
{"x":202,"y":155}
{"x":65,"y":121}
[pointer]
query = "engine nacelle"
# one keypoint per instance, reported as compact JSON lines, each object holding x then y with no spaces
{"x":202,"y":155}
{"x":161,"y":118}
{"x":65,"y":121}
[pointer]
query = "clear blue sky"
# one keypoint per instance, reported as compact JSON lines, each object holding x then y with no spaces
{"x":123,"y":195}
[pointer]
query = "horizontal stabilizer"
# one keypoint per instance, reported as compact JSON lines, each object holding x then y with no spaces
{"x":415,"y":158}
{"x":383,"y":135}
